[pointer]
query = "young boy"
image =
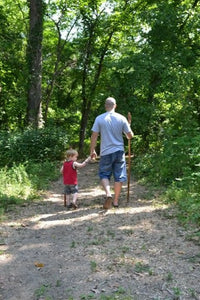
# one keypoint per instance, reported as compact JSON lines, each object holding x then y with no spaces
{"x":70,"y":180}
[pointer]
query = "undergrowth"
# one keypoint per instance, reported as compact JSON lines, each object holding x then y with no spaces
{"x":29,"y":161}
{"x":23,"y":182}
{"x":176,"y":166}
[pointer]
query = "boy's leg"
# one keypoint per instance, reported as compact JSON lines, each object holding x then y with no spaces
{"x":66,"y":200}
{"x":74,"y":200}
{"x":67,"y":193}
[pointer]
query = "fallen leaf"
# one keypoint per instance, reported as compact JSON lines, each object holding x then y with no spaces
{"x":38,"y":264}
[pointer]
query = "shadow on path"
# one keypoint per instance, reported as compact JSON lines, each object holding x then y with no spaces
{"x":135,"y":252}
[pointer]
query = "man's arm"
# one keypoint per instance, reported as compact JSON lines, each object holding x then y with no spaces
{"x":93,"y":142}
{"x":129,"y":135}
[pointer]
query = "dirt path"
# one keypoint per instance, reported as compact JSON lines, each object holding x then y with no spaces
{"x":135,"y":252}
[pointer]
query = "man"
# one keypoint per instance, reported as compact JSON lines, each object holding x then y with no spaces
{"x":111,"y":126}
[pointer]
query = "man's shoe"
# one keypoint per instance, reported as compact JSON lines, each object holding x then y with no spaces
{"x":108,"y":203}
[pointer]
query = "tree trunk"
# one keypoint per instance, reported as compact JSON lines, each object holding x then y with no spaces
{"x":34,"y":59}
{"x":87,"y":97}
{"x":83,"y":125}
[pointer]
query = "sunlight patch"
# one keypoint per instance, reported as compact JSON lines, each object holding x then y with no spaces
{"x":131,"y":210}
{"x":52,"y":223}
{"x":5,"y":258}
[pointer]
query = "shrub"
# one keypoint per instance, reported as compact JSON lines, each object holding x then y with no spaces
{"x":176,"y":165}
{"x":35,"y":145}
{"x":22,"y":182}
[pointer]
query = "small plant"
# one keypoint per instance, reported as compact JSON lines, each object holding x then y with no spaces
{"x":193,"y":293}
{"x":169,"y":277}
{"x":90,"y":228}
{"x":73,"y":244}
{"x":69,"y":293}
{"x":97,"y":242}
{"x":125,"y":249}
{"x":121,"y":291}
{"x":144,"y":247}
{"x":41,"y":291}
{"x":93,"y":266}
{"x":58,"y":283}
{"x":177,"y":293}
{"x":140,"y":267}
{"x":87,"y":297}
{"x":111,"y":233}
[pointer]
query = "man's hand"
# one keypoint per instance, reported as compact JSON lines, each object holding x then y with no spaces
{"x":93,"y":155}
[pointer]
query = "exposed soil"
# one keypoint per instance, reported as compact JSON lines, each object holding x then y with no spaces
{"x":138,"y":251}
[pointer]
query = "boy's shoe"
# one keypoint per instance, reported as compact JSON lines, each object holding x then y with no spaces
{"x":74,"y":205}
{"x":69,"y":205}
{"x":108,"y":203}
{"x":115,"y":205}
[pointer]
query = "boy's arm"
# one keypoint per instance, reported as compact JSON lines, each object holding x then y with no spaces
{"x":61,"y":169}
{"x":83,"y":164}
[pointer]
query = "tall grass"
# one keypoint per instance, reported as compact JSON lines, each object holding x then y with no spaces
{"x":28,"y":162}
{"x":23,"y":182}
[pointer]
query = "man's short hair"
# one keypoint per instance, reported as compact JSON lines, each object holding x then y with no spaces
{"x":110,"y":101}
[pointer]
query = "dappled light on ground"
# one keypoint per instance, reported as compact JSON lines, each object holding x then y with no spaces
{"x":137,"y":251}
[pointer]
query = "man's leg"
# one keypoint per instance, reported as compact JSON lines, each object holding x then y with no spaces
{"x":106,"y":185}
{"x":117,"y":189}
{"x":119,"y":172}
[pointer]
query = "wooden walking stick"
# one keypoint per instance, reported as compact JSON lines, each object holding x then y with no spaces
{"x":129,"y":160}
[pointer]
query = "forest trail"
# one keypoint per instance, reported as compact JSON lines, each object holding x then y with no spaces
{"x":138,"y":251}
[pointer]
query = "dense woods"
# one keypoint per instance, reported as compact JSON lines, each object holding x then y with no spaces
{"x":59,"y":60}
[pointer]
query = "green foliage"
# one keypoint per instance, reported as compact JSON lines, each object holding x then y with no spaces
{"x":176,"y":159}
{"x":176,"y":166}
{"x":32,"y":145}
{"x":187,"y":202}
{"x":15,"y":186}
{"x":21,"y":182}
{"x":13,"y":74}
{"x":144,"y":53}
{"x":14,"y":182}
{"x":41,"y":174}
{"x":28,"y":163}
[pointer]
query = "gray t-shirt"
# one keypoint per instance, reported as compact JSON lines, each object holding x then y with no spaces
{"x":111,"y":126}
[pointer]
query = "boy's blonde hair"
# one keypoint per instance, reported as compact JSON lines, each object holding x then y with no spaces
{"x":71,"y":152}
